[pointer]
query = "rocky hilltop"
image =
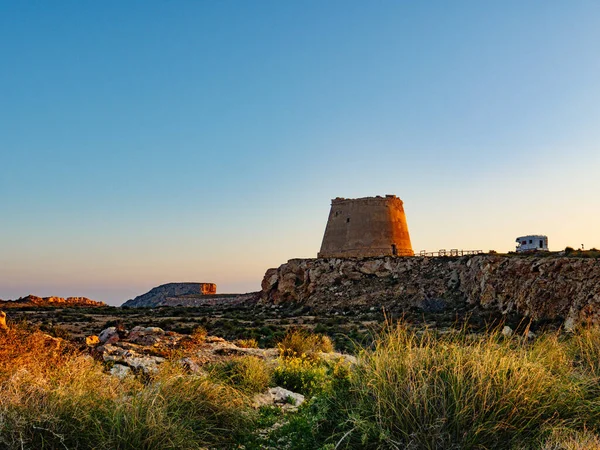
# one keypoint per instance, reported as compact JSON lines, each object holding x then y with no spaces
{"x":538,"y":287}
{"x":184,"y":294}
{"x":59,"y":302}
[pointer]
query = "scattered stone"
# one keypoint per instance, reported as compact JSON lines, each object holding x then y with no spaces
{"x":569,"y":324}
{"x":144,"y":349}
{"x":530,"y":335}
{"x":507,"y":331}
{"x":146,"y":335}
{"x":334,"y":357}
{"x":146,"y":364}
{"x":281,"y":395}
{"x":278,"y":396}
{"x":190,"y":365}
{"x":120,"y":371}
{"x":109,"y":335}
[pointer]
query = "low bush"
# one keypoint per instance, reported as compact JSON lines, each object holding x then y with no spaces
{"x":298,"y":343}
{"x":247,"y":343}
{"x":199,"y":334}
{"x":300,"y":374}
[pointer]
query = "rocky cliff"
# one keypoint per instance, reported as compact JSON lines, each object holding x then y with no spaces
{"x":59,"y":302}
{"x":184,"y":294}
{"x":538,"y":287}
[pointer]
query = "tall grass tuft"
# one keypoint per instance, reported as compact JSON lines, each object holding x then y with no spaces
{"x":249,"y":374}
{"x":429,"y":391}
{"x":53,"y":397}
{"x":299,"y":343}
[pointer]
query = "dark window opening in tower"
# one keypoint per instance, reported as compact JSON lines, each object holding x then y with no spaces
{"x":348,"y":220}
{"x":394,"y":250}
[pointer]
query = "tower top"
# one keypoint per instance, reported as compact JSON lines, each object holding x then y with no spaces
{"x":367,"y":226}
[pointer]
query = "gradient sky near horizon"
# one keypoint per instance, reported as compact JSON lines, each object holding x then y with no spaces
{"x":145,"y":142}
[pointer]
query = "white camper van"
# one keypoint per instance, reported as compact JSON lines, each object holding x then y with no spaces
{"x":532,"y":243}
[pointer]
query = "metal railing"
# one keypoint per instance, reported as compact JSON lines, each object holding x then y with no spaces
{"x":451,"y":252}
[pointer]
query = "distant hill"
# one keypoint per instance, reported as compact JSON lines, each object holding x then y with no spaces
{"x":58,"y":302}
{"x":158,"y":295}
{"x":185,"y":294}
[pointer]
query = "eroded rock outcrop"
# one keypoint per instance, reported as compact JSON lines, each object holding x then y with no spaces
{"x":186,"y":294}
{"x":59,"y":302}
{"x":537,"y":287}
{"x":144,"y":349}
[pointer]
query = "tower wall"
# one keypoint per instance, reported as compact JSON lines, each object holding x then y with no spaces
{"x":370,"y":226}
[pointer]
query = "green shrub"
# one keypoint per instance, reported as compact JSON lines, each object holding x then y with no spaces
{"x":301,"y":374}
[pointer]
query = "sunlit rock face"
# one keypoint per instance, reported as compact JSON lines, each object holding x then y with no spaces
{"x":187,"y":294}
{"x":33,"y":300}
{"x":537,"y":287}
{"x":158,"y":295}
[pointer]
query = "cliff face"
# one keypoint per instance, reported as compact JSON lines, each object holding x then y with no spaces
{"x":158,"y":295}
{"x":59,"y":302}
{"x":184,"y":294}
{"x":538,"y":287}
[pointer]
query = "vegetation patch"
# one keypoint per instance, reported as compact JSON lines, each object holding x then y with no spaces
{"x":413,"y":388}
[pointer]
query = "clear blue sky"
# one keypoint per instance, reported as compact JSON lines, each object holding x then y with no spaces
{"x":143,"y":142}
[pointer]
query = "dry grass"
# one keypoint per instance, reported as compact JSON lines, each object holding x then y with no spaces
{"x":249,"y":374}
{"x":413,"y":390}
{"x":52,"y":396}
{"x":246,"y":343}
{"x":428,"y":391}
{"x":571,"y":440}
{"x":298,"y":343}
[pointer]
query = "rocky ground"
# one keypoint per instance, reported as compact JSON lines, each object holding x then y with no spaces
{"x":141,"y":350}
{"x":349,"y":328}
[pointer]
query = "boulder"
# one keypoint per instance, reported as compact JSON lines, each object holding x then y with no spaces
{"x":120,"y":371}
{"x":146,"y":335}
{"x":278,"y":396}
{"x":109,"y":335}
{"x":191,"y":366}
{"x":145,"y":364}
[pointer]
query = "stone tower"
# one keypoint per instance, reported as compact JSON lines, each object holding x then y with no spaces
{"x":370,"y":226}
